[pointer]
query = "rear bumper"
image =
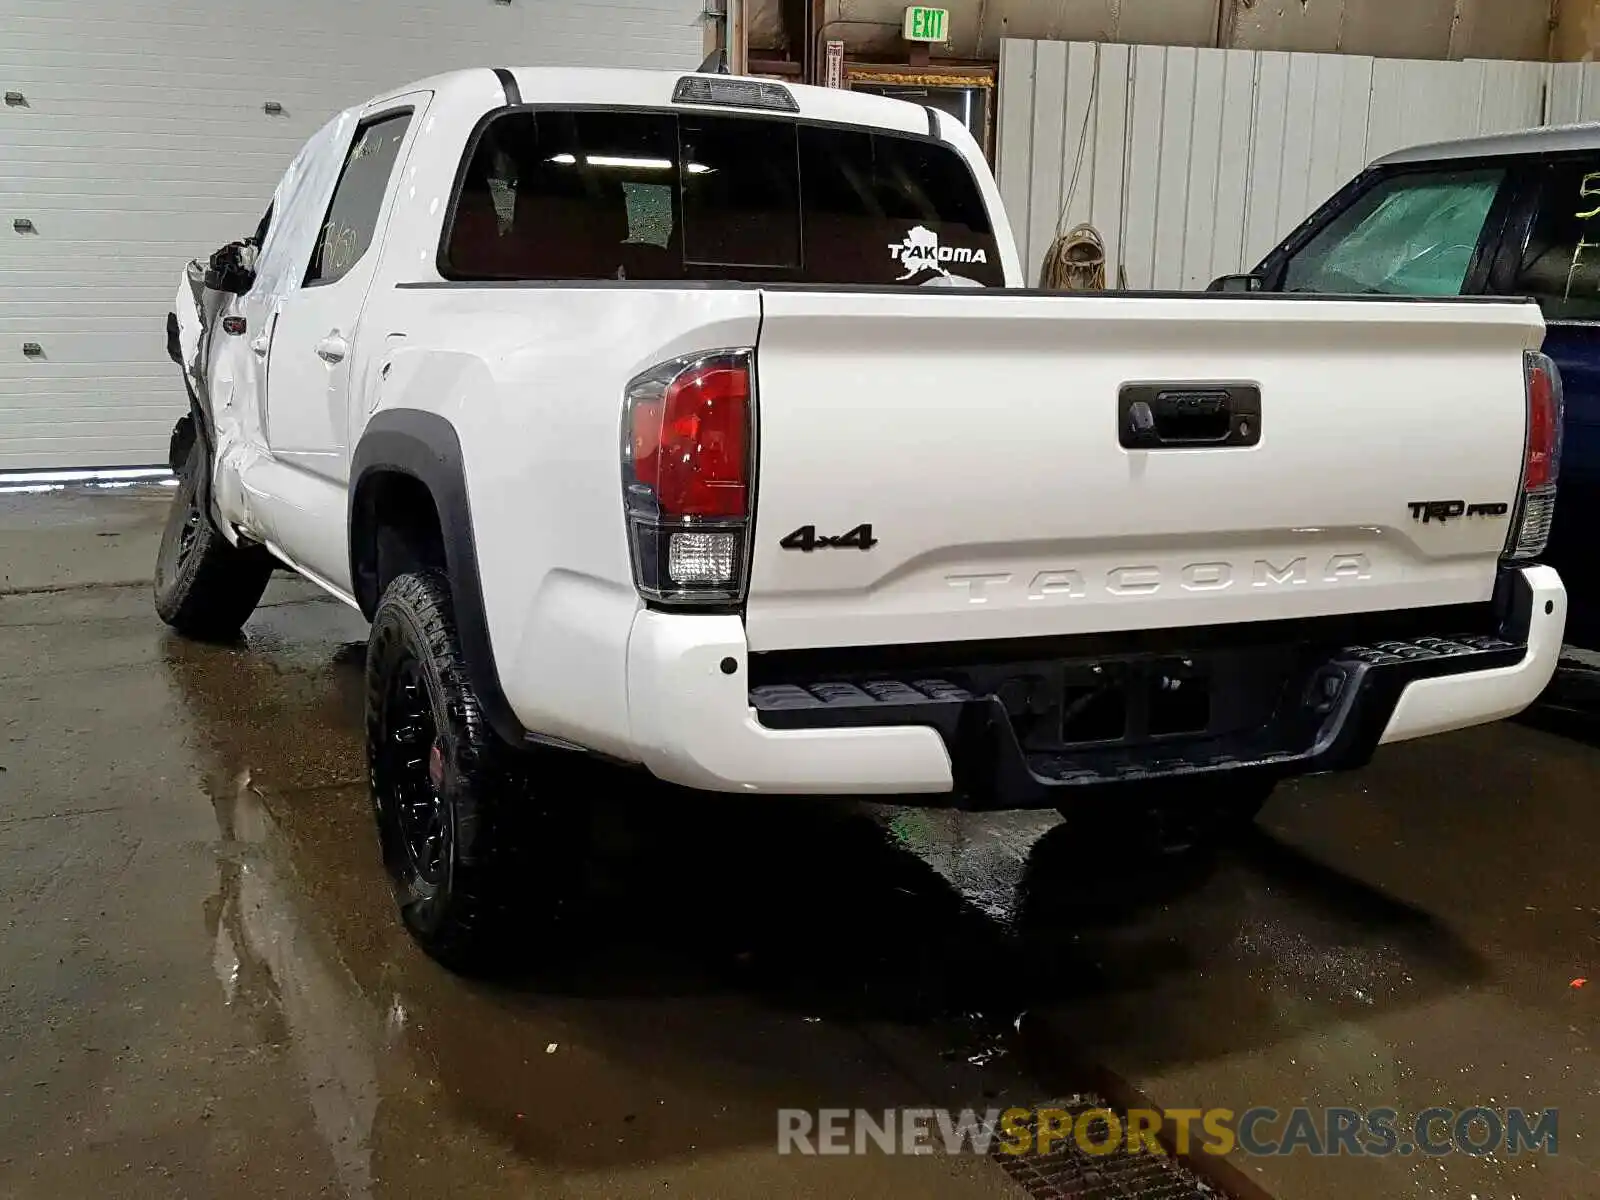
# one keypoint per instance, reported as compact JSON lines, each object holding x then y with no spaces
{"x":698,"y":721}
{"x":693,"y":723}
{"x":1446,"y":702}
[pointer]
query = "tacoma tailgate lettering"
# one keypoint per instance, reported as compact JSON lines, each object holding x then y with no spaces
{"x":1147,"y":579}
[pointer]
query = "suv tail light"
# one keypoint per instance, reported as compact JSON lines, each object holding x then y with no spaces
{"x":1541,"y":463}
{"x":688,"y":448}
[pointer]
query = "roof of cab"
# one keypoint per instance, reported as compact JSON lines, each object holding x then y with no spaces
{"x":1552,"y":139}
{"x":653,"y":89}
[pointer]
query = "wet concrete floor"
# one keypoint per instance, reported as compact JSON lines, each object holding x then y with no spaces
{"x":204,"y":989}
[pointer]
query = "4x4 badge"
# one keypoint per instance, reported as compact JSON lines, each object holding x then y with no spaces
{"x":805,"y":539}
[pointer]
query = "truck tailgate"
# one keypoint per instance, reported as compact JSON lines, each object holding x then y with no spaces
{"x":980,"y":436}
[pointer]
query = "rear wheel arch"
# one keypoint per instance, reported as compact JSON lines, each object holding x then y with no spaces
{"x":407,"y":467}
{"x":395,"y":529}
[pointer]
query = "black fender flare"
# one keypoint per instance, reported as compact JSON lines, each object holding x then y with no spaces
{"x":425,"y":446}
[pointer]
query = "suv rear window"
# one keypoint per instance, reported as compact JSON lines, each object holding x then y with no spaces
{"x":688,"y":196}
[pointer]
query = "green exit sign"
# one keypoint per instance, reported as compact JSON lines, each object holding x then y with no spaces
{"x":926,"y":24}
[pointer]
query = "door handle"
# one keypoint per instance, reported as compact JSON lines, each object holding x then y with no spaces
{"x":332,"y":348}
{"x":259,"y":345}
{"x":1189,"y":416}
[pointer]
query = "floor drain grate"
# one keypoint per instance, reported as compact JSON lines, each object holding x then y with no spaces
{"x":1068,"y":1172}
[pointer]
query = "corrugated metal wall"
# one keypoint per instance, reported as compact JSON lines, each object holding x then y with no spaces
{"x":1192,"y":162}
{"x":1574,"y":93}
{"x":141,"y":141}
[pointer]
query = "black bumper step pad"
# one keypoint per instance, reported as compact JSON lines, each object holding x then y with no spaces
{"x":1291,"y":710}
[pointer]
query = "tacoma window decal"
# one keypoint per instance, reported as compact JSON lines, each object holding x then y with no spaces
{"x":920,"y":251}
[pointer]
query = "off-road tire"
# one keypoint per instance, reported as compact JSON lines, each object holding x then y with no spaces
{"x":471,"y":855}
{"x":205,"y":587}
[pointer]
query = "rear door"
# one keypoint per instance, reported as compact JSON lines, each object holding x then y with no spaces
{"x":313,"y":339}
{"x":1553,"y":255}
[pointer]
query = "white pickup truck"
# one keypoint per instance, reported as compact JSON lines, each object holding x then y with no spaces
{"x":704,"y":424}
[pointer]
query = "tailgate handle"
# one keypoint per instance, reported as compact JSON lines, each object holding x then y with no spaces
{"x":1160,"y":416}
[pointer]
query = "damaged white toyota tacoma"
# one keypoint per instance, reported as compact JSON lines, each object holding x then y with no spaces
{"x":705,"y":425}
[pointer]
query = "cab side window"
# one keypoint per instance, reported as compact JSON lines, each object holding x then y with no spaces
{"x":352,"y":218}
{"x":1560,"y":264}
{"x":1410,"y":234}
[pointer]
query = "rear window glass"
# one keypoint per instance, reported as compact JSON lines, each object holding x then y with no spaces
{"x":676,"y":196}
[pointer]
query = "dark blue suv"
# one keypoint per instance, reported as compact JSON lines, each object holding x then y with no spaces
{"x":1516,"y":214}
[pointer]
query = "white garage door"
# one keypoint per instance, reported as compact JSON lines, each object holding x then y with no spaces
{"x":134,"y":137}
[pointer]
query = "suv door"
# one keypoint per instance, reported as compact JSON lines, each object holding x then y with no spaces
{"x":313,"y":339}
{"x":1553,"y":255}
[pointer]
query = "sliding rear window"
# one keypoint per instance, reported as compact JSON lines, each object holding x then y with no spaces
{"x":660,"y":196}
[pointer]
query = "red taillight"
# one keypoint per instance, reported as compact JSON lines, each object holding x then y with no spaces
{"x":687,"y":434}
{"x":1541,"y":463}
{"x":1544,"y":425}
{"x":690,"y":445}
